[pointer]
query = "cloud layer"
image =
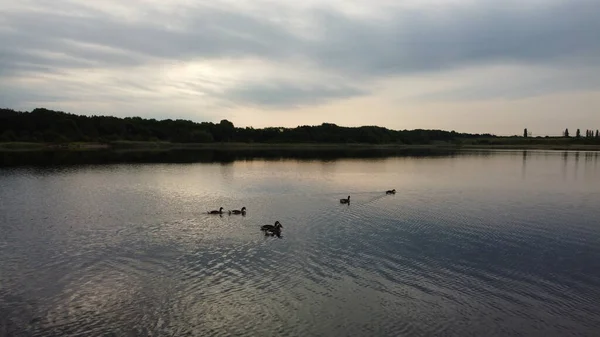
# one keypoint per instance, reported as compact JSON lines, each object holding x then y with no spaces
{"x":143,"y":55}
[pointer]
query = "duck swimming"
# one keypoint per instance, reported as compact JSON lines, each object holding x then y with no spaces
{"x":272,"y":229}
{"x":391,"y":191}
{"x":238,"y":211}
{"x":220,"y":211}
{"x":345,"y":201}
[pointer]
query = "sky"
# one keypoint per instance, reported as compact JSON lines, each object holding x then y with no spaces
{"x":465,"y":65}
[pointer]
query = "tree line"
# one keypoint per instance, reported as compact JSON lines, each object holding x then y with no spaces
{"x":588,"y":134}
{"x":43,"y":125}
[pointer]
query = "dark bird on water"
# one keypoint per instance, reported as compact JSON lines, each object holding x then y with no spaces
{"x":220,"y":211}
{"x":238,"y":211}
{"x":272,"y":229}
{"x":391,"y":191}
{"x":345,"y":201}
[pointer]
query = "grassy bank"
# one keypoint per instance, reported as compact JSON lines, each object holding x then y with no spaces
{"x":497,"y":143}
{"x":538,"y":143}
{"x":25,"y":146}
{"x":22,"y":146}
{"x":547,"y":147}
{"x":136,"y":145}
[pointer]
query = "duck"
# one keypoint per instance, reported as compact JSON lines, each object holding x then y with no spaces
{"x":272,"y":229}
{"x":238,"y":211}
{"x":345,"y":201}
{"x":391,"y":191}
{"x":220,"y":211}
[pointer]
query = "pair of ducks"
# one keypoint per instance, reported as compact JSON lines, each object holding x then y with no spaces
{"x":347,"y":200}
{"x":233,"y":211}
{"x":270,"y":230}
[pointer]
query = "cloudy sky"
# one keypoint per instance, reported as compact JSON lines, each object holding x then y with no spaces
{"x":465,"y":65}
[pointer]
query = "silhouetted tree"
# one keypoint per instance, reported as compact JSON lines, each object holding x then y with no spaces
{"x":525,"y":133}
{"x":578,"y":134}
{"x":8,"y":136}
{"x":201,"y":136}
{"x":597,"y":135}
{"x":224,"y":131}
{"x":566,"y":133}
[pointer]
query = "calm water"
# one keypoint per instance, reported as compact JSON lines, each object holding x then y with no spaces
{"x":473,"y":244}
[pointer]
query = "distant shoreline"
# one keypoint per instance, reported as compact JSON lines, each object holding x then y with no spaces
{"x":147,"y":146}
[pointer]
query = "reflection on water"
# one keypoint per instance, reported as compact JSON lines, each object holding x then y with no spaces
{"x":47,"y":158}
{"x":472,"y":244}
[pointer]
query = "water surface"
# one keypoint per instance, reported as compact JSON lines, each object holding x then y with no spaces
{"x":473,"y":244}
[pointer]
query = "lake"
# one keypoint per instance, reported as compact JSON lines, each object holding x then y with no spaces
{"x":474,"y":243}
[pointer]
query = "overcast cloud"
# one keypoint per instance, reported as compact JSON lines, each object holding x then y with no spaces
{"x":277,"y":63}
